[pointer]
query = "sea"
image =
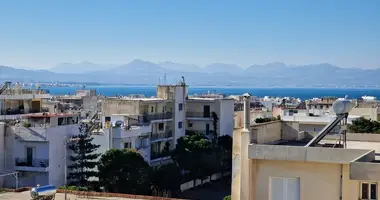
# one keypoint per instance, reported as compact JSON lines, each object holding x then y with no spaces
{"x":302,"y":93}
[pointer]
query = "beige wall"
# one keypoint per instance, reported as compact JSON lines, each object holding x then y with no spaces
{"x":199,"y":125}
{"x":266,"y":132}
{"x":317,"y":180}
{"x":197,"y":106}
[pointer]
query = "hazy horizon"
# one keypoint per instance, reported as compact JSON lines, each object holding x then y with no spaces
{"x":41,"y":34}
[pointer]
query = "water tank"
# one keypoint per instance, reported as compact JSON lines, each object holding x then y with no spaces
{"x":342,"y":106}
{"x":43,"y":192}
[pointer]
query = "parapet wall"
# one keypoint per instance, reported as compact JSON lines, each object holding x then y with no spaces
{"x":266,"y":132}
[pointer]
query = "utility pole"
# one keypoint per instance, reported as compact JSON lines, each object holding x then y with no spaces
{"x":65,"y":146}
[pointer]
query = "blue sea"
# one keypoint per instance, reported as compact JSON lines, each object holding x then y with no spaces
{"x":303,"y":93}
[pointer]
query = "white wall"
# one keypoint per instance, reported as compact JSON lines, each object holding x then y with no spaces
{"x":179,"y":116}
{"x":226,"y":118}
{"x":56,"y":138}
{"x":2,"y":148}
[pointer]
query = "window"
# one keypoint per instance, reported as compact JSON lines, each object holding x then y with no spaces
{"x":29,"y":155}
{"x":161,"y":126}
{"x":190,"y":125}
{"x":368,"y":191}
{"x":180,"y":106}
{"x":152,"y":109}
{"x":179,"y":125}
{"x":284,"y":188}
{"x":163,"y":108}
{"x":127,"y":145}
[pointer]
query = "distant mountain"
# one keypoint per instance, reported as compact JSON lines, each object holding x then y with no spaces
{"x":180,"y":67}
{"x":79,"y":68}
{"x":143,"y":72}
{"x":223,"y":68}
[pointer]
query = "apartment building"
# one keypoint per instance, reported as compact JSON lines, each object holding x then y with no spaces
{"x":33,"y":146}
{"x":15,"y":101}
{"x":153,"y":125}
{"x":274,"y":160}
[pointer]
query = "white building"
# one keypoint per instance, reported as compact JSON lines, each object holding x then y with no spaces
{"x":152,"y":124}
{"x":34,"y":147}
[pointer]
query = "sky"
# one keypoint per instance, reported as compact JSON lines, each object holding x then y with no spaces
{"x":40,"y":34}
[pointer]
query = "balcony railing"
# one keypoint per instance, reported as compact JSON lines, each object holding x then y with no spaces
{"x":198,"y":114}
{"x":155,"y":155}
{"x":16,"y":111}
{"x":158,"y":136}
{"x":23,"y":162}
{"x":157,"y":116}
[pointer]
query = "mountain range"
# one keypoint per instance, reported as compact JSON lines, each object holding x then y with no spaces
{"x":138,"y":71}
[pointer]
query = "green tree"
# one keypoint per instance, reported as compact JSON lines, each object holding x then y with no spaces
{"x":84,"y":160}
{"x":124,"y":171}
{"x":215,"y":120}
{"x":225,"y":151}
{"x":363,"y":125}
{"x":193,"y":153}
{"x":166,"y":178}
{"x":227,"y":198}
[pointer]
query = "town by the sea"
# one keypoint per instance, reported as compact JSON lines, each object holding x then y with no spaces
{"x":302,"y":93}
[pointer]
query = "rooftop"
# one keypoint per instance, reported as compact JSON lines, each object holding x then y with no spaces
{"x":40,"y":115}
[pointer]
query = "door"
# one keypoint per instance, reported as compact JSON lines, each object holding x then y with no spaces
{"x":206,"y":111}
{"x":207,"y":129}
{"x":29,"y":156}
{"x":284,"y":188}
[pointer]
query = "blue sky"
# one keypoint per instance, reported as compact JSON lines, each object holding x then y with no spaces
{"x":41,"y":34}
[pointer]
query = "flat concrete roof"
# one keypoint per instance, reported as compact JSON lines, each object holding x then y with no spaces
{"x":304,"y":154}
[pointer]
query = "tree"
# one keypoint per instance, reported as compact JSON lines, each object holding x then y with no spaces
{"x":215,"y":120}
{"x":193,"y":153}
{"x":84,"y":160}
{"x":225,"y":150}
{"x":166,"y":178}
{"x":124,"y":171}
{"x":363,"y":125}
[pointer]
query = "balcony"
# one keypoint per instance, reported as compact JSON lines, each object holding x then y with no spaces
{"x":199,"y":115}
{"x":134,"y":131}
{"x":37,"y":165}
{"x":156,"y":116}
{"x":16,"y":111}
{"x":160,"y":136}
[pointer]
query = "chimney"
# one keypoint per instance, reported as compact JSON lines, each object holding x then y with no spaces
{"x":247,"y":101}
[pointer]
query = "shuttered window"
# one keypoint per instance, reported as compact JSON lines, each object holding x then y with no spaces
{"x":282,"y":188}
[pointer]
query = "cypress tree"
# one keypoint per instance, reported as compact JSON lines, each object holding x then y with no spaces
{"x":84,"y":160}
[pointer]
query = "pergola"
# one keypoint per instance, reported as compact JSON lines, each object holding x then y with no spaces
{"x":8,"y":173}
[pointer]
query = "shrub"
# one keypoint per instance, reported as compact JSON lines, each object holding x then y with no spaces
{"x":227,"y":198}
{"x":266,"y":119}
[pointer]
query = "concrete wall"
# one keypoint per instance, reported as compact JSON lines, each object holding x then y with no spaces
{"x":179,"y":116}
{"x":118,"y":106}
{"x":226,"y":117}
{"x":317,"y":180}
{"x":266,"y":132}
{"x":2,"y":149}
{"x":365,"y":137}
{"x":306,"y":154}
{"x":57,"y":150}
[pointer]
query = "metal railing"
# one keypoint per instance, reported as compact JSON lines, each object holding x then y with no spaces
{"x":158,"y":136}
{"x":156,"y":116}
{"x":199,"y":114}
{"x":24,"y":162}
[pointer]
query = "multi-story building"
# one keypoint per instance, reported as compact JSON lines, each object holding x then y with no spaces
{"x":275,"y":160}
{"x":34,"y":147}
{"x":15,"y":101}
{"x":153,"y":125}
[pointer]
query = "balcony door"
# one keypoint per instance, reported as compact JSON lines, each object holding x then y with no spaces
{"x":206,"y":111}
{"x":29,"y":156}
